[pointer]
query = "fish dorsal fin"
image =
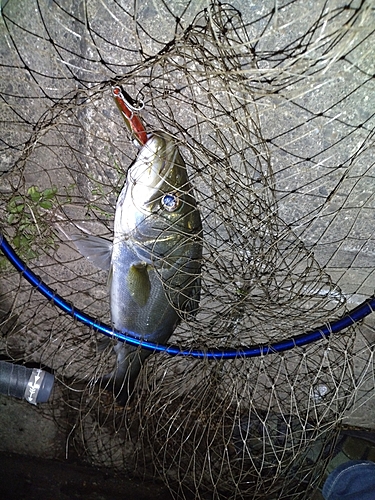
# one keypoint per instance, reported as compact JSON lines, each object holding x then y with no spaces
{"x":138,"y":283}
{"x":97,"y":250}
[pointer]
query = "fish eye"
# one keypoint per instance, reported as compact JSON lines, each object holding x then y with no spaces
{"x":170,"y":202}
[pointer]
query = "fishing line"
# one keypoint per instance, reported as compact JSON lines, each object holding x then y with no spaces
{"x":352,"y":317}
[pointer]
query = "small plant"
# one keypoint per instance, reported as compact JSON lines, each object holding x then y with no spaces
{"x":27,"y":215}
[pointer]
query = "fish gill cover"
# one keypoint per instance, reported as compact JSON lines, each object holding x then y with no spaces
{"x":271,"y":106}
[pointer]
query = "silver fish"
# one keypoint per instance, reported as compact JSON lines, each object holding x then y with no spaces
{"x":154,"y":260}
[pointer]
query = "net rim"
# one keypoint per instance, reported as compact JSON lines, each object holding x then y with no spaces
{"x":323,"y":332}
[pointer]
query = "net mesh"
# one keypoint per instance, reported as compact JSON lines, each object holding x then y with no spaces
{"x":271,"y":107}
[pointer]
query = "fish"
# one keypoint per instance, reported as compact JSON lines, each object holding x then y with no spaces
{"x":154,"y":260}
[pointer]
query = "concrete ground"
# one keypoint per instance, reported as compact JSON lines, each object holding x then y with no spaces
{"x":32,"y":443}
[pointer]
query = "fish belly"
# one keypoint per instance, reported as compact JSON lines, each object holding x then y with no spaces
{"x":144,"y":312}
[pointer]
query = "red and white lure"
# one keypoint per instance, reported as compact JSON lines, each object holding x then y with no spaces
{"x":128,"y":111}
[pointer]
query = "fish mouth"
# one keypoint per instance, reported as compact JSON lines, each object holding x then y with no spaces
{"x":155,"y":161}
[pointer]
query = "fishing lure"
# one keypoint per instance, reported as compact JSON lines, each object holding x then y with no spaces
{"x":128,"y":111}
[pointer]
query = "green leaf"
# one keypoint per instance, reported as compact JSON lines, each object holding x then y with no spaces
{"x":3,"y":262}
{"x":15,"y":208}
{"x":49,"y":193}
{"x":17,"y":241}
{"x":34,"y":193}
{"x":46,"y":204}
{"x":14,"y":201}
{"x":24,"y":240}
{"x":18,"y":209}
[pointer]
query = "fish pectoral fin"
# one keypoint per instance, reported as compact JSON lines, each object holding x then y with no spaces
{"x":138,"y":283}
{"x":97,"y":250}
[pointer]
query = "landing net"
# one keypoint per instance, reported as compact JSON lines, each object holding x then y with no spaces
{"x":271,"y":106}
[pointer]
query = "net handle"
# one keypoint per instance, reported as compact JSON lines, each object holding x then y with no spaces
{"x":352,"y":317}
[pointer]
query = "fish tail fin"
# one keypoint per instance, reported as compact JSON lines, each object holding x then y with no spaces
{"x":121,"y":381}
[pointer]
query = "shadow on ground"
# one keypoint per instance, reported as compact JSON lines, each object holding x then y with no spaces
{"x":41,"y":479}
